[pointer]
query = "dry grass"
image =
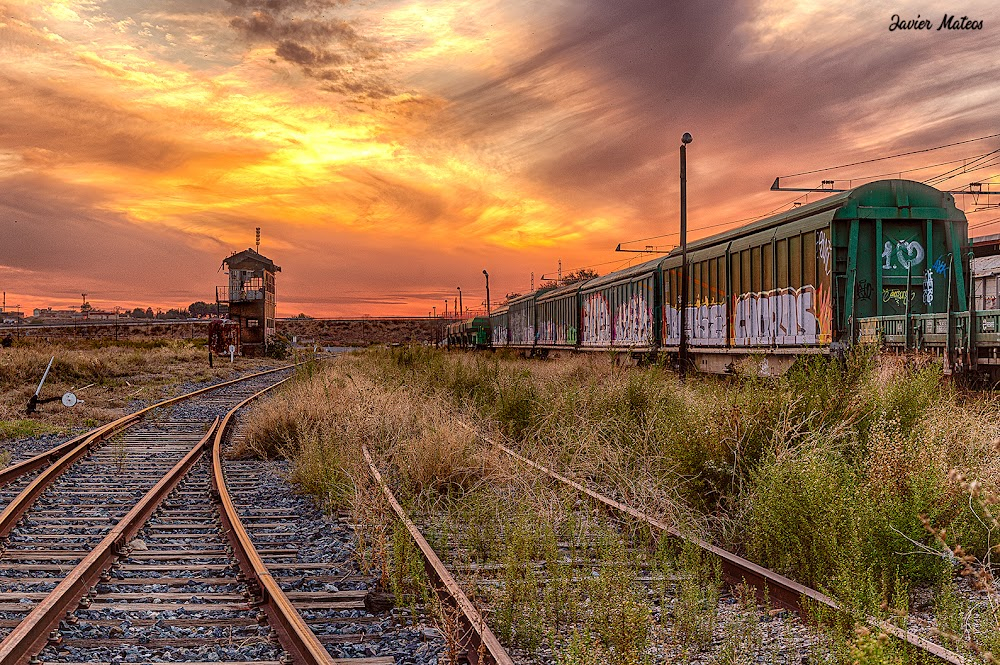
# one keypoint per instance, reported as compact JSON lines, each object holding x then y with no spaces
{"x":823,"y":474}
{"x":106,"y":377}
{"x":320,"y":423}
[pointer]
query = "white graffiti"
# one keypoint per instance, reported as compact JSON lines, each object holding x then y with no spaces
{"x":706,"y":325}
{"x":910,"y":253}
{"x":522,"y":331}
{"x":928,"y":286}
{"x":825,"y":249}
{"x":907,"y":254}
{"x":634,"y":322}
{"x":499,"y":336}
{"x":783,"y":316}
{"x":596,"y":321}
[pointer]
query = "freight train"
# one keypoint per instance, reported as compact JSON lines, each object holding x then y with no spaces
{"x":884,"y":263}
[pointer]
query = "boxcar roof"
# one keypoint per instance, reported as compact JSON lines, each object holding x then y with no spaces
{"x":562,"y":290}
{"x":624,"y":274}
{"x":881,"y":193}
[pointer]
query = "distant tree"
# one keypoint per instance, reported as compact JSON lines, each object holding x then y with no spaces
{"x":302,"y":316}
{"x":580,"y":275}
{"x":138,"y":313}
{"x":173,"y":313}
{"x":149,"y":313}
{"x":201,"y":308}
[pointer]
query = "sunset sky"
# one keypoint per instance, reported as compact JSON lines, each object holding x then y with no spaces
{"x":393,"y":149}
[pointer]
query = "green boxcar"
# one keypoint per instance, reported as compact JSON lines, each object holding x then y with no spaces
{"x":853,"y":267}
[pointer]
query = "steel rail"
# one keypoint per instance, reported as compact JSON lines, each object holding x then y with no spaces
{"x":14,"y":471}
{"x":294,"y":634}
{"x":479,"y":645}
{"x":66,"y":454}
{"x":41,"y":624}
{"x":735,"y":569}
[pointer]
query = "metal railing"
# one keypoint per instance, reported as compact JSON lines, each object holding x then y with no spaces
{"x":230,"y":294}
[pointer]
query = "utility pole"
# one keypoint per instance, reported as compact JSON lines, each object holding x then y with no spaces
{"x":487,"y":293}
{"x":559,"y":280}
{"x":683,"y":352}
{"x":460,"y":308}
{"x":258,"y":240}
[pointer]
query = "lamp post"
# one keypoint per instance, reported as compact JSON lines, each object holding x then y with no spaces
{"x":487,"y":293}
{"x":460,"y":308}
{"x":683,"y":352}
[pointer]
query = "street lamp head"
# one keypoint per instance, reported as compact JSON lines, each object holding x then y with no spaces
{"x":486,"y":273}
{"x":686,"y":138}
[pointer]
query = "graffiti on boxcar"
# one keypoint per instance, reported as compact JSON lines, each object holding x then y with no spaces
{"x":596,"y":320}
{"x":825,"y":249}
{"x":547,"y":332}
{"x":864,"y":290}
{"x":550,"y":332}
{"x":908,"y":253}
{"x":499,"y":335}
{"x":928,"y":286}
{"x":521,"y":329}
{"x":896,"y":296}
{"x":706,"y":324}
{"x":783,"y":316}
{"x":634,"y":322}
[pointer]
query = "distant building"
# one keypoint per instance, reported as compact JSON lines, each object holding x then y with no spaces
{"x":250,"y":295}
{"x":8,"y":317}
{"x":49,"y":314}
{"x":97,"y":315}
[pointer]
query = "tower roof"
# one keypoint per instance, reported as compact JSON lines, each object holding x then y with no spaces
{"x":250,"y":256}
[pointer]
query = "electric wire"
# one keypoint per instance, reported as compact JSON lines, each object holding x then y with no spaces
{"x":902,"y":154}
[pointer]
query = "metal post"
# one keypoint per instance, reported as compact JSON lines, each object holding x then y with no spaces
{"x":683,"y":352}
{"x":947,"y":319}
{"x":973,"y":323}
{"x":460,"y":308}
{"x":487,"y":293}
{"x":908,"y":271}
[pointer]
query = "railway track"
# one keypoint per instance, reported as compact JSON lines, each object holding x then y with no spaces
{"x":77,"y":585}
{"x":478,"y":643}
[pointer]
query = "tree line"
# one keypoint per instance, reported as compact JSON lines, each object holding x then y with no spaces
{"x":194,"y":310}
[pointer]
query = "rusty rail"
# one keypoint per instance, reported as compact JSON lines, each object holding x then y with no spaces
{"x":66,"y":454}
{"x":294,"y":634}
{"x":14,"y":471}
{"x":41,"y":624}
{"x":735,"y":569}
{"x":478,"y":643}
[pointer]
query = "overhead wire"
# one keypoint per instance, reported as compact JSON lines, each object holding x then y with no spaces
{"x":713,"y":226}
{"x":901,"y":154}
{"x":965,"y":168}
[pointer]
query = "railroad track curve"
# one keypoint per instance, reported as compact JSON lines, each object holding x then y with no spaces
{"x":79,"y":508}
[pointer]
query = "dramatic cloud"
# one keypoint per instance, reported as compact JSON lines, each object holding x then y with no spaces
{"x":392,"y":149}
